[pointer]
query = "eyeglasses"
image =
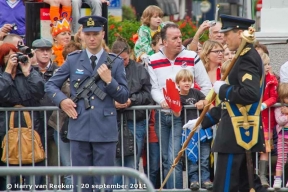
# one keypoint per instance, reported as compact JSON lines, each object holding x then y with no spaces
{"x":218,"y":51}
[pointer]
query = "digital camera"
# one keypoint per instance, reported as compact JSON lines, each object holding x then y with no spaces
{"x":22,"y":58}
{"x":23,"y":52}
{"x":212,"y":23}
{"x":14,"y":26}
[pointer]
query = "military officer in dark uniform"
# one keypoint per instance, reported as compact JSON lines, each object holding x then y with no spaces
{"x":93,"y":132}
{"x":238,"y":115}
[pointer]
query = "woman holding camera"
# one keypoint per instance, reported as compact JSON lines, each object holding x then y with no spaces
{"x":20,"y":84}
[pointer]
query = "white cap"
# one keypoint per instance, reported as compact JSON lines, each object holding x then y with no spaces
{"x":284,"y":73}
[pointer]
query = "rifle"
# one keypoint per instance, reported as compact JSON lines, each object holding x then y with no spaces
{"x":90,"y":87}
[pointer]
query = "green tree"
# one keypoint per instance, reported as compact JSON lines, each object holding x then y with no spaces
{"x":128,"y":13}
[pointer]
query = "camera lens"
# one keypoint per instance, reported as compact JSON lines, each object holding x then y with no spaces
{"x":14,"y":26}
{"x":22,"y":58}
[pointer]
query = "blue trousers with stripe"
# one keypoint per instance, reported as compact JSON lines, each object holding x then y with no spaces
{"x":232,"y":175}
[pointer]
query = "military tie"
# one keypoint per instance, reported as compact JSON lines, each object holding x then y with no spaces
{"x":93,"y":63}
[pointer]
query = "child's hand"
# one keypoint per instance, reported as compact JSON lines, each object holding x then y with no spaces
{"x":105,"y":1}
{"x":284,"y":110}
{"x":200,"y":104}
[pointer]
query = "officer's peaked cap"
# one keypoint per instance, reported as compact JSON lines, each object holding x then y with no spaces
{"x":92,"y":23}
{"x":230,"y":22}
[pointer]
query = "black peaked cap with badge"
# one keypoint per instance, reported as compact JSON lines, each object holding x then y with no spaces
{"x":41,"y":43}
{"x":92,"y":23}
{"x":230,"y":22}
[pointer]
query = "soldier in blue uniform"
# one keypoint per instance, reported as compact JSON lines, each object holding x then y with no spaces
{"x":93,"y":132}
{"x":239,"y":131}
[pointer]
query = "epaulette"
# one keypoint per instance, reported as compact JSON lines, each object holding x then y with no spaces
{"x":75,"y":52}
{"x":244,"y":51}
{"x":112,"y":54}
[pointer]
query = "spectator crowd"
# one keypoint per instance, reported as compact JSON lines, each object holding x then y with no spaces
{"x":159,"y":54}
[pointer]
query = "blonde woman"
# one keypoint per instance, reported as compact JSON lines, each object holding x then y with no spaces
{"x":61,"y":34}
{"x":212,"y":56}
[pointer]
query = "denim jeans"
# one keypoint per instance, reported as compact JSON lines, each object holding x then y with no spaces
{"x":170,"y":142}
{"x":204,"y":162}
{"x":154,"y":162}
{"x":140,"y":137}
{"x":65,"y":156}
{"x":128,"y":162}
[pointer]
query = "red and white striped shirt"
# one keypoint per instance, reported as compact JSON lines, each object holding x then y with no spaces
{"x":161,"y":68}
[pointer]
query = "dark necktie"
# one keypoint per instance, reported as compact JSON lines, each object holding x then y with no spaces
{"x":93,"y":59}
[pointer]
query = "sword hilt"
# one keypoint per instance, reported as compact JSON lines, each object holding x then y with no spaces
{"x":245,"y":114}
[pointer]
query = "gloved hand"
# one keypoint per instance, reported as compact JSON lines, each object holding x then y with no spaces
{"x":145,"y":59}
{"x":263,"y":106}
{"x":191,"y":124}
{"x":217,"y":86}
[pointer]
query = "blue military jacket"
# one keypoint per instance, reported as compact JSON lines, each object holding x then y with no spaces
{"x":99,"y":123}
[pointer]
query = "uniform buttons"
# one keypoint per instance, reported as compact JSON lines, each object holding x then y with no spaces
{"x":78,"y":79}
{"x":92,"y":97}
{"x":92,"y":107}
{"x":111,"y":113}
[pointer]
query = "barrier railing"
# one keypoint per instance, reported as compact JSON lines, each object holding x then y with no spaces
{"x":149,"y":149}
{"x":79,"y":171}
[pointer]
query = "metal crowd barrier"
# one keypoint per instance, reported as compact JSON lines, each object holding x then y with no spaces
{"x":79,"y":171}
{"x":60,"y":171}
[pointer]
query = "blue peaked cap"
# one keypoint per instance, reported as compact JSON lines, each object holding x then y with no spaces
{"x":230,"y":22}
{"x":92,"y":23}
